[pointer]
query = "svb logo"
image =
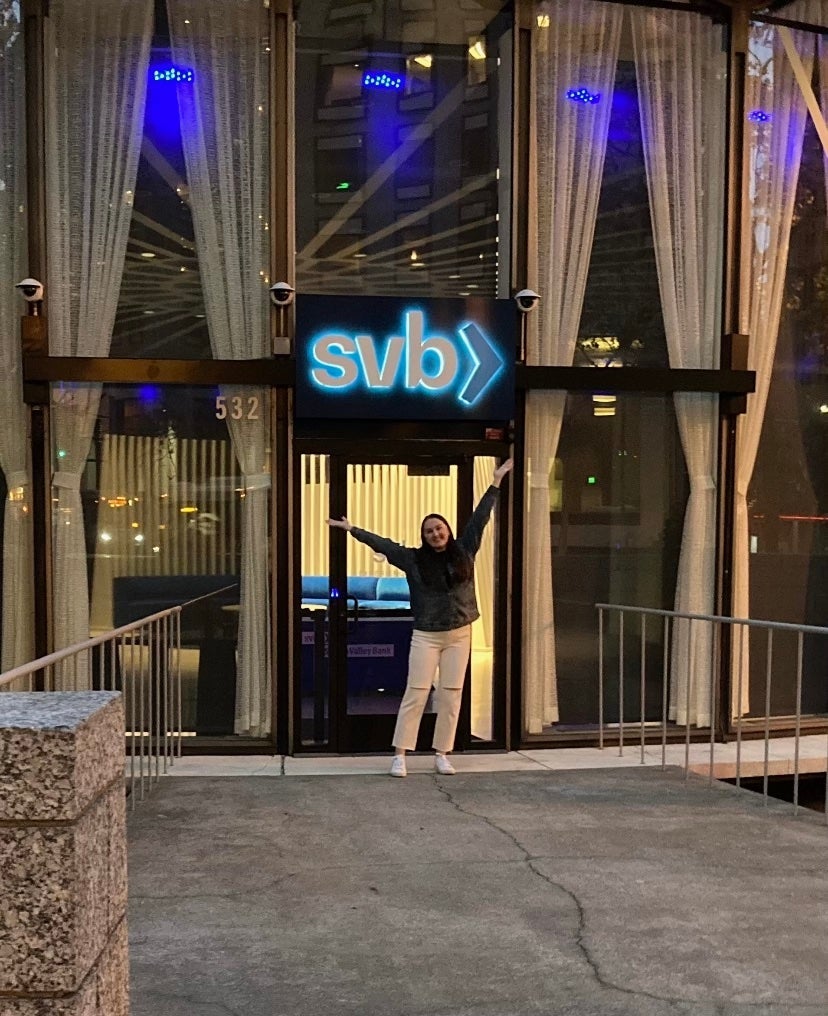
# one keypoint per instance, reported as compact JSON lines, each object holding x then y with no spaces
{"x":466,"y":364}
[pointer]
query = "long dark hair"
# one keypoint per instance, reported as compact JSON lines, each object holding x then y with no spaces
{"x":450,"y":566}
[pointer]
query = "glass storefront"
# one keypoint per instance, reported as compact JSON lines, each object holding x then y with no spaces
{"x":174,"y":494}
{"x":788,"y":495}
{"x":404,"y":156}
{"x":618,"y":489}
{"x":415,"y":150}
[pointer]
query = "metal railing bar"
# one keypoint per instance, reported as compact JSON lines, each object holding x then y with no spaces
{"x":807,"y":629}
{"x":180,"y":723}
{"x":739,"y":682}
{"x":141,"y":699}
{"x":167,"y":692}
{"x":665,"y":692}
{"x":25,"y":669}
{"x":601,"y":680}
{"x":643,"y":679}
{"x":158,"y":688}
{"x":799,"y":646}
{"x":690,"y":669}
{"x":131,"y":719}
{"x":714,"y":650}
{"x":621,"y":685}
{"x":768,"y":676}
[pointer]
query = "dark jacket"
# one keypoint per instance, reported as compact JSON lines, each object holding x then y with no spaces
{"x":446,"y":606}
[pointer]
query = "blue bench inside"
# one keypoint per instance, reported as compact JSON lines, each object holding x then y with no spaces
{"x":370,"y":592}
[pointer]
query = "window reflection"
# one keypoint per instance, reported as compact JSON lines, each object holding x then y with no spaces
{"x":432,"y":161}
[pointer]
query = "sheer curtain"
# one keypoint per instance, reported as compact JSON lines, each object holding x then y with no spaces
{"x":575,"y":44}
{"x":774,"y":150}
{"x":17,"y":634}
{"x":680,"y":69}
{"x":95,"y":89}
{"x":224,"y":127}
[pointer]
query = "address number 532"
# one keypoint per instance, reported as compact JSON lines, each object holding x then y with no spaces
{"x":237,"y":408}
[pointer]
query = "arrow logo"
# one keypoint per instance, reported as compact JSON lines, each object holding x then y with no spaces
{"x":487,"y":362}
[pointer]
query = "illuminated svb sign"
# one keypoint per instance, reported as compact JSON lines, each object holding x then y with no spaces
{"x":400,"y":359}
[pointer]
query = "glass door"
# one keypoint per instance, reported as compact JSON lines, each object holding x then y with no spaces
{"x":390,"y":499}
{"x":355,"y":613}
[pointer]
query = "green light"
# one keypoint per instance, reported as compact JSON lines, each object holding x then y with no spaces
{"x":591,"y":479}
{"x":61,"y":454}
{"x":344,"y":185}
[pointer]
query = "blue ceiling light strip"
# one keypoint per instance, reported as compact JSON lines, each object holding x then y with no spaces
{"x":169,"y":73}
{"x":583,"y":95}
{"x":382,"y":79}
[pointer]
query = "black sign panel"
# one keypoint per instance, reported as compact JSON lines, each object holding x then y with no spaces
{"x":405,"y":358}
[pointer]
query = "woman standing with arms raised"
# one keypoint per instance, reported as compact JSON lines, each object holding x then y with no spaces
{"x":440,"y":575}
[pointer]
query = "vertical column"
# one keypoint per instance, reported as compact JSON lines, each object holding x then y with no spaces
{"x":63,"y":874}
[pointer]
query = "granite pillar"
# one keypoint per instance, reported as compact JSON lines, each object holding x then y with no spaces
{"x":63,"y":882}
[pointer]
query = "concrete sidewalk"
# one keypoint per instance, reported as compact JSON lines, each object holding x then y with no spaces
{"x":597,"y":893}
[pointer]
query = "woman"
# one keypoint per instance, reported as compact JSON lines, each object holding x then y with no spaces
{"x":440,"y":575}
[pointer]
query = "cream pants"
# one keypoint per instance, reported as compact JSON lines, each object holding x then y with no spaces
{"x":446,"y":652}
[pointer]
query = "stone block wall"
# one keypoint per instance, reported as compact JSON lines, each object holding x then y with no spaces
{"x":63,"y":879}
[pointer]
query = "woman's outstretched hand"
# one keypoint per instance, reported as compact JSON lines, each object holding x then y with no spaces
{"x":342,"y":523}
{"x":501,"y":471}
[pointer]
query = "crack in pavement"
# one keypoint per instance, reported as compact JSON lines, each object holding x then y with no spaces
{"x":591,"y":962}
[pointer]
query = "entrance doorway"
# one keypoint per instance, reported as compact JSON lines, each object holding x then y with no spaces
{"x":354,"y":609}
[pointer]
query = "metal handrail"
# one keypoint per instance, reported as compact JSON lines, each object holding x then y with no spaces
{"x":671,"y":618}
{"x":43,"y":662}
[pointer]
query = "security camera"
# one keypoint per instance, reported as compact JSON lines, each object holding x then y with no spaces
{"x":526,"y":300}
{"x":31,"y":290}
{"x":281,"y":293}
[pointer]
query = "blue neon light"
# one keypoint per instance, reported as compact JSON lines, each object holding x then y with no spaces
{"x":582,"y":95}
{"x":149,"y":393}
{"x":171,"y":73}
{"x":382,"y":79}
{"x":759,"y":116}
{"x":418,"y":360}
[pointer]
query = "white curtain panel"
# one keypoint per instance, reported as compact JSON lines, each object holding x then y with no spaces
{"x":680,"y":70}
{"x":95,"y":89}
{"x":224,"y":126}
{"x":774,"y":151}
{"x":17,"y":630}
{"x":575,"y":45}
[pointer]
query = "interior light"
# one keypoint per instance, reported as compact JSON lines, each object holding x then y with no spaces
{"x":603,"y":398}
{"x":106,"y":537}
{"x":823,"y":408}
{"x":343,"y":185}
{"x":147,"y":254}
{"x":382,"y":79}
{"x":591,"y":480}
{"x":582,"y":95}
{"x":759,"y":116}
{"x":139,"y":537}
{"x":543,"y":21}
{"x":424,"y":60}
{"x":169,"y":73}
{"x":188,"y":509}
{"x":477,"y":50}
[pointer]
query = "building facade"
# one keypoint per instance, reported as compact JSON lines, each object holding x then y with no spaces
{"x":176,"y":429}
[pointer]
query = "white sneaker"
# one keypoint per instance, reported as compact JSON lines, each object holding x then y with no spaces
{"x":398,"y":766}
{"x":443,"y":766}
